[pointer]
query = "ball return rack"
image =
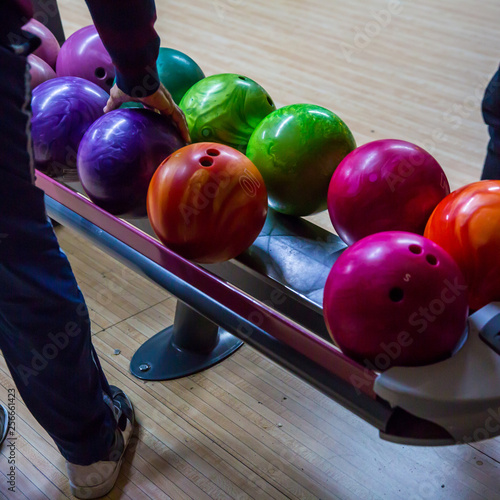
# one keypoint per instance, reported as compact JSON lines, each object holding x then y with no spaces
{"x":271,"y":298}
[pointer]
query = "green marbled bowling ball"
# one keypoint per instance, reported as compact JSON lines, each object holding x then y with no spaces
{"x":226,"y":109}
{"x":178,"y":72}
{"x":296,"y":149}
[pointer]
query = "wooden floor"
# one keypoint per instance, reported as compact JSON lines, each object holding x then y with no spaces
{"x":246,"y":428}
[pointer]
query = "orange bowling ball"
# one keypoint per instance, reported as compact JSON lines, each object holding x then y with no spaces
{"x":207,"y":202}
{"x":467,"y":225}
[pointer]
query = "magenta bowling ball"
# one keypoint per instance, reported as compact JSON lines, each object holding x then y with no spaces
{"x":395,"y":299}
{"x":40,"y":71}
{"x":83,"y":54}
{"x":63,"y":109}
{"x":49,"y":48}
{"x":386,"y":185}
{"x":119,"y":155}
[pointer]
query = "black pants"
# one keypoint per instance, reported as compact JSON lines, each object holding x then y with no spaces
{"x":491,"y":115}
{"x":44,"y":322}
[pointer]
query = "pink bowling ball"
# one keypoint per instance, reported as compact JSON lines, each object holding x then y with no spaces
{"x":395,"y":299}
{"x":386,"y":185}
{"x":40,"y":71}
{"x":49,"y":49}
{"x":83,"y":55}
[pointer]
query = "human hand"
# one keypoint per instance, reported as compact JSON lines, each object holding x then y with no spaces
{"x":161,"y":100}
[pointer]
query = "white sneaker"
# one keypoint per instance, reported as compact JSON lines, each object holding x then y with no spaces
{"x":97,"y":479}
{"x":4,"y":423}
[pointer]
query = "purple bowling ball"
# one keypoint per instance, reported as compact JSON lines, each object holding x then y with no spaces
{"x":396,"y":299}
{"x":83,"y":54}
{"x":63,"y":110}
{"x":119,"y":155}
{"x":40,"y":71}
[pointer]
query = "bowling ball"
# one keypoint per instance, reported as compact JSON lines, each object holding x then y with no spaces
{"x":63,"y":110}
{"x":386,"y":185}
{"x":296,"y":149}
{"x":40,"y":71}
{"x":467,"y":225}
{"x":119,"y":154}
{"x":225,"y":109}
{"x":49,"y":48}
{"x":207,"y":202}
{"x":83,"y":54}
{"x":395,"y":299}
{"x":178,"y":72}
{"x":131,"y":104}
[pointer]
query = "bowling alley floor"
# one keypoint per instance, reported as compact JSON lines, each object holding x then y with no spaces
{"x":247,"y":428}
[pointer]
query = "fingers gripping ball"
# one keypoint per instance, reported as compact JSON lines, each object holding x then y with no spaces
{"x":395,"y":299}
{"x":207,"y":202}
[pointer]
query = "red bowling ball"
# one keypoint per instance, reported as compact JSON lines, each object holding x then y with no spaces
{"x":207,"y":202}
{"x":386,"y":185}
{"x":83,"y":55}
{"x":49,"y":48}
{"x":467,"y":225}
{"x":396,"y":299}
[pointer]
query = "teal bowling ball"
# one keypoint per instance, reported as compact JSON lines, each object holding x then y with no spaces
{"x":178,"y":72}
{"x":296,"y":149}
{"x":131,"y":104}
{"x":225,"y":108}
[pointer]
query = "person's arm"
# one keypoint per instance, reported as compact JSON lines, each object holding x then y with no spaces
{"x":126,"y":28}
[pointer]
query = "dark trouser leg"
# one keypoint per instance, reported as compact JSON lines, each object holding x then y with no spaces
{"x":491,"y":114}
{"x":44,"y":323}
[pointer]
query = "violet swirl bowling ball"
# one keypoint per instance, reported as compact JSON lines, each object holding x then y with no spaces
{"x":120,"y":153}
{"x":385,"y":185}
{"x":63,"y":110}
{"x":395,"y":299}
{"x":83,"y":54}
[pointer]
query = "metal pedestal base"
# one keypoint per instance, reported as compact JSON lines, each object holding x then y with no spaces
{"x":192,"y":344}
